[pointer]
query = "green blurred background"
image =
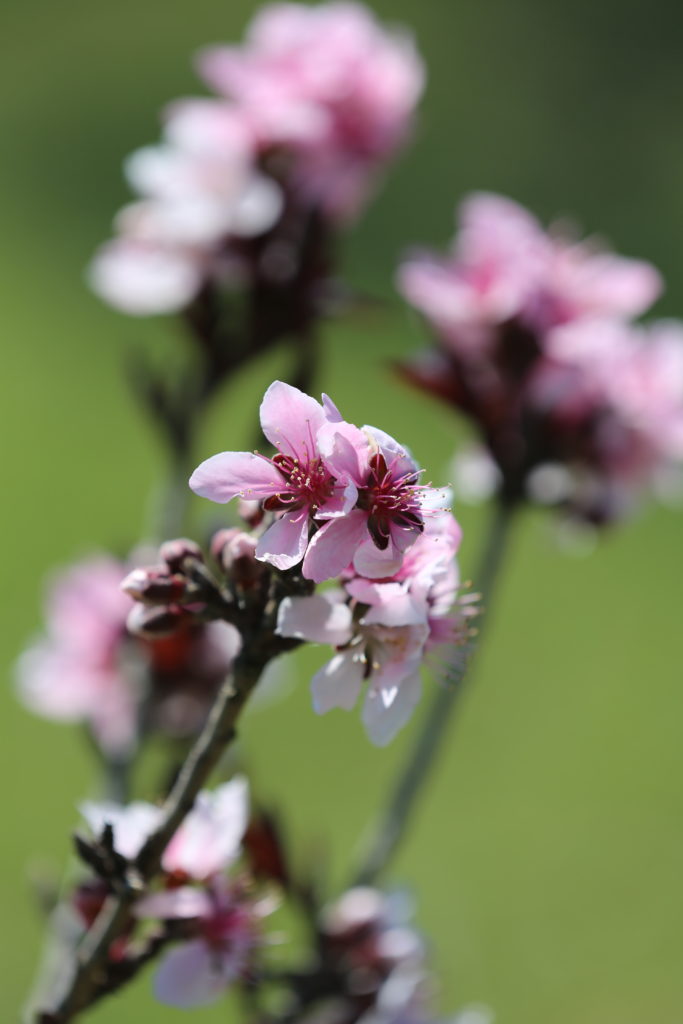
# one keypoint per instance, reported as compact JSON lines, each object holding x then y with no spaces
{"x":547,"y":855}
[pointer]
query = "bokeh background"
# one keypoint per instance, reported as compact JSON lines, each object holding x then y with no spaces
{"x":546,"y":857}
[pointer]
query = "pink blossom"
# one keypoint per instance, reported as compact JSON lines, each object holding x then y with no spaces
{"x":390,"y":508}
{"x":295,"y":482}
{"x":504,"y":266}
{"x":328,"y":84}
{"x":226,"y":925}
{"x":207,"y":842}
{"x":197,"y":188}
{"x":74,"y":673}
{"x":384,"y":634}
{"x":210,"y":838}
{"x":389,"y":658}
{"x":88,"y":668}
{"x":356,"y":491}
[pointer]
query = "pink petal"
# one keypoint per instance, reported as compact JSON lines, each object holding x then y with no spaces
{"x":315,"y":618}
{"x":375,"y":564}
{"x":383,"y":719}
{"x":290,"y":420}
{"x":345,"y":450}
{"x":340,"y":504}
{"x":337,"y":684}
{"x":284,"y":543}
{"x":209,"y":838}
{"x":194,"y":974}
{"x":144,"y":280}
{"x":332,"y":548}
{"x":231,"y":474}
{"x":172,"y":903}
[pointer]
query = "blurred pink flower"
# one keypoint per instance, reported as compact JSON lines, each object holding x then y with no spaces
{"x":88,"y":668}
{"x":227,"y":929}
{"x":503,"y":266}
{"x":197,"y":188}
{"x":74,"y":673}
{"x":330,"y":86}
{"x":206,"y":843}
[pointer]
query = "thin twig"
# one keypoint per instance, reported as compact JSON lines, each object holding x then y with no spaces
{"x":392,"y":825}
{"x":219,"y":730}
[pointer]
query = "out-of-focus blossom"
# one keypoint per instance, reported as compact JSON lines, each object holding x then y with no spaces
{"x":245,"y":188}
{"x":73,"y":674}
{"x":225,"y":933}
{"x":330,"y":88}
{"x":503,"y":266}
{"x":384,"y":632}
{"x":207,"y":842}
{"x":90,"y":669}
{"x":340,"y":494}
{"x":198,"y":188}
{"x":576,"y":405}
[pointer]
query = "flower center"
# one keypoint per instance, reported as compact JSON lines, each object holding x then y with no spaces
{"x":390,"y":500}
{"x":305,"y":485}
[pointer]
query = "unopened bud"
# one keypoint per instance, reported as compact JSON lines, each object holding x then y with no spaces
{"x":238,"y":558}
{"x":220,"y":540}
{"x":156,"y":586}
{"x":251,"y":512}
{"x":174,"y":553}
{"x":151,"y":623}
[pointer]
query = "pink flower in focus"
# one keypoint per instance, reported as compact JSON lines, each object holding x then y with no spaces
{"x":390,"y":508}
{"x":295,"y":482}
{"x":383,"y":636}
{"x":329,"y":85}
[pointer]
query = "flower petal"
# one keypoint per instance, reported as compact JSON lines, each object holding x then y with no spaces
{"x":291,"y":419}
{"x":332,"y":548}
{"x":284,"y":543}
{"x":318,"y":618}
{"x":337,"y":684}
{"x":186,"y":901}
{"x":383,"y":718}
{"x":231,"y":474}
{"x":194,"y":975}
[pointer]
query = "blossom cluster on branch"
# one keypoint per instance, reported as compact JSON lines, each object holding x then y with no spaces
{"x":576,"y":405}
{"x":336,"y":539}
{"x":247,"y":185}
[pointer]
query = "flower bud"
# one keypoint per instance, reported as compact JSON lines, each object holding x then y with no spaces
{"x":151,"y":623}
{"x":220,"y":540}
{"x":251,"y":512}
{"x":238,"y":558}
{"x":174,"y":553}
{"x":156,"y":586}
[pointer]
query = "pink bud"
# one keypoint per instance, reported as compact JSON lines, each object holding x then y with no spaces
{"x":155,"y":586}
{"x":156,"y":622}
{"x":174,"y":553}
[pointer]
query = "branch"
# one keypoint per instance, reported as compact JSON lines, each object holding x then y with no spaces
{"x":90,"y":977}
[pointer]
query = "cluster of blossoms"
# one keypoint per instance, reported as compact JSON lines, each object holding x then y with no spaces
{"x":214,"y":921}
{"x":346,"y":504}
{"x":221,"y":876}
{"x":92,"y":668}
{"x":575,"y":403}
{"x":307,"y":112}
